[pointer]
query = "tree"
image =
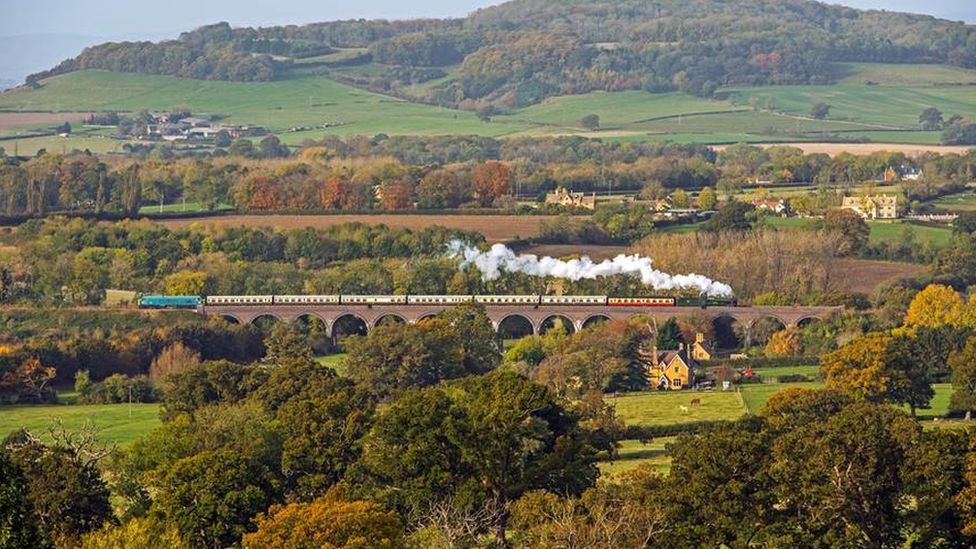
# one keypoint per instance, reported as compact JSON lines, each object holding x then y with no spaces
{"x":859,"y":367}
{"x":517,"y":437}
{"x":820,"y":111}
{"x":286,"y":344}
{"x":735,"y":216}
{"x":185,"y":283}
{"x":590,"y":122}
{"x":960,"y":133}
{"x":326,"y":522}
{"x":785,"y":343}
{"x":172,"y":360}
{"x":936,"y":305}
{"x":680,"y":199}
{"x":29,"y":382}
{"x":669,"y":335}
{"x":963,"y":366}
{"x":130,"y":191}
{"x":909,"y":382}
{"x":930,"y":119}
{"x":18,"y":521}
{"x":492,"y":180}
{"x":135,"y":533}
{"x":213,"y":496}
{"x":838,"y":481}
{"x":965,"y":223}
{"x":64,"y":485}
{"x":223,"y":139}
{"x":706,"y":199}
{"x":851,"y":230}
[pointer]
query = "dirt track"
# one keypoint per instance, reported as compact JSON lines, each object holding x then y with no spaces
{"x":495,"y":227}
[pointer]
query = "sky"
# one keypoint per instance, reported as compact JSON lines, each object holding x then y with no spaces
{"x":37,"y":34}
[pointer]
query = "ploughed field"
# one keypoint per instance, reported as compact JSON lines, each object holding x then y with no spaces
{"x":495,"y":228}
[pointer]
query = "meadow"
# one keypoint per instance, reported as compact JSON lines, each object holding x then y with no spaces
{"x":297,"y":107}
{"x":958,"y":203}
{"x":119,"y":424}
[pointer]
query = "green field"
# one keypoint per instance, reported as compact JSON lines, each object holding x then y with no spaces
{"x":880,"y":112}
{"x":634,"y":453}
{"x":896,"y":107}
{"x":881,"y":231}
{"x":812,"y":371}
{"x":179,"y":207}
{"x":960,"y":202}
{"x":279,"y":105}
{"x":114,"y":423}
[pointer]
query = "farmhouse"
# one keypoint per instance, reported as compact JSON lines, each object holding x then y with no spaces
{"x":872,"y":207}
{"x":770,"y":205}
{"x":700,"y":350}
{"x":669,"y":371}
{"x":562,"y":197}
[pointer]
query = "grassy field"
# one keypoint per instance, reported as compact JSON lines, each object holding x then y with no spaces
{"x":279,"y":105}
{"x":896,"y":107}
{"x":634,"y":453}
{"x":337,"y":362}
{"x":114,"y":423}
{"x":189,"y":207}
{"x":881,"y":231}
{"x":960,"y":202}
{"x":879,"y":112}
{"x":656,"y":408}
{"x":812,"y":371}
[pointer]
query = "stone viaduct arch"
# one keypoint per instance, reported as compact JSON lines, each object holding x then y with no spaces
{"x":577,"y":316}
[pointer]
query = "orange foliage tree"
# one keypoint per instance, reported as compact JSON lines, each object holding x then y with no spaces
{"x":326,"y":522}
{"x":492,"y":180}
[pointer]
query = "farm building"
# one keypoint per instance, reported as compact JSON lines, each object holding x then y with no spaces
{"x":562,"y":197}
{"x":669,"y":371}
{"x":873,"y":207}
{"x":771,"y":205}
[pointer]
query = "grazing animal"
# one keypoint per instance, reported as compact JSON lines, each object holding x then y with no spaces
{"x":684,"y":409}
{"x":695,"y":402}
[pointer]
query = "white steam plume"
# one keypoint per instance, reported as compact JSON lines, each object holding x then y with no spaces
{"x":501,"y":258}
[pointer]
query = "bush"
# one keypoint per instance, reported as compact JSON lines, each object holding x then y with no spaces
{"x":116,"y":389}
{"x":793,"y":378}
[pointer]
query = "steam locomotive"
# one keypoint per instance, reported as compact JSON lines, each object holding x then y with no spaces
{"x":193,"y":302}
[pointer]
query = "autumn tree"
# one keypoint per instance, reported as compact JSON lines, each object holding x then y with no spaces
{"x":963,"y":367}
{"x":935,"y":306}
{"x":185,"y":283}
{"x":859,"y":367}
{"x":820,"y":111}
{"x":29,"y":382}
{"x":172,"y":360}
{"x":492,"y":180}
{"x":326,"y":522}
{"x":706,"y":199}
{"x":850,"y":229}
{"x":785,"y":343}
{"x":135,"y":533}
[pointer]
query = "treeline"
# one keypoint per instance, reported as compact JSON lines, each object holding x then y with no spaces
{"x":76,"y":261}
{"x":405,"y":173}
{"x":524,"y":51}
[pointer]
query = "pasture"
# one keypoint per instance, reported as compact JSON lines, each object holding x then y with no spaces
{"x":278,"y":105}
{"x":119,"y":424}
{"x":957,"y":203}
{"x":298,"y":106}
{"x":495,"y":228}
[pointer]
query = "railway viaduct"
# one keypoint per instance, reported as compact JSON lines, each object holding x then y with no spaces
{"x":539,"y":317}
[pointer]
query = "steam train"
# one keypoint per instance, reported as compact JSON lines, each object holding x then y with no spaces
{"x":193,"y":302}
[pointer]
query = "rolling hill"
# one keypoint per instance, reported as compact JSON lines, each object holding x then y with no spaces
{"x":690,"y":71}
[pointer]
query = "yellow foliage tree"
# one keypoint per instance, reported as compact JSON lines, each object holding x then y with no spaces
{"x":785,"y":343}
{"x":858,"y":368}
{"x":935,"y":306}
{"x":185,"y":283}
{"x":137,"y":533}
{"x":328,"y":523}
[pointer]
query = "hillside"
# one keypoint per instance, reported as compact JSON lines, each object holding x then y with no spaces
{"x":523,"y":51}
